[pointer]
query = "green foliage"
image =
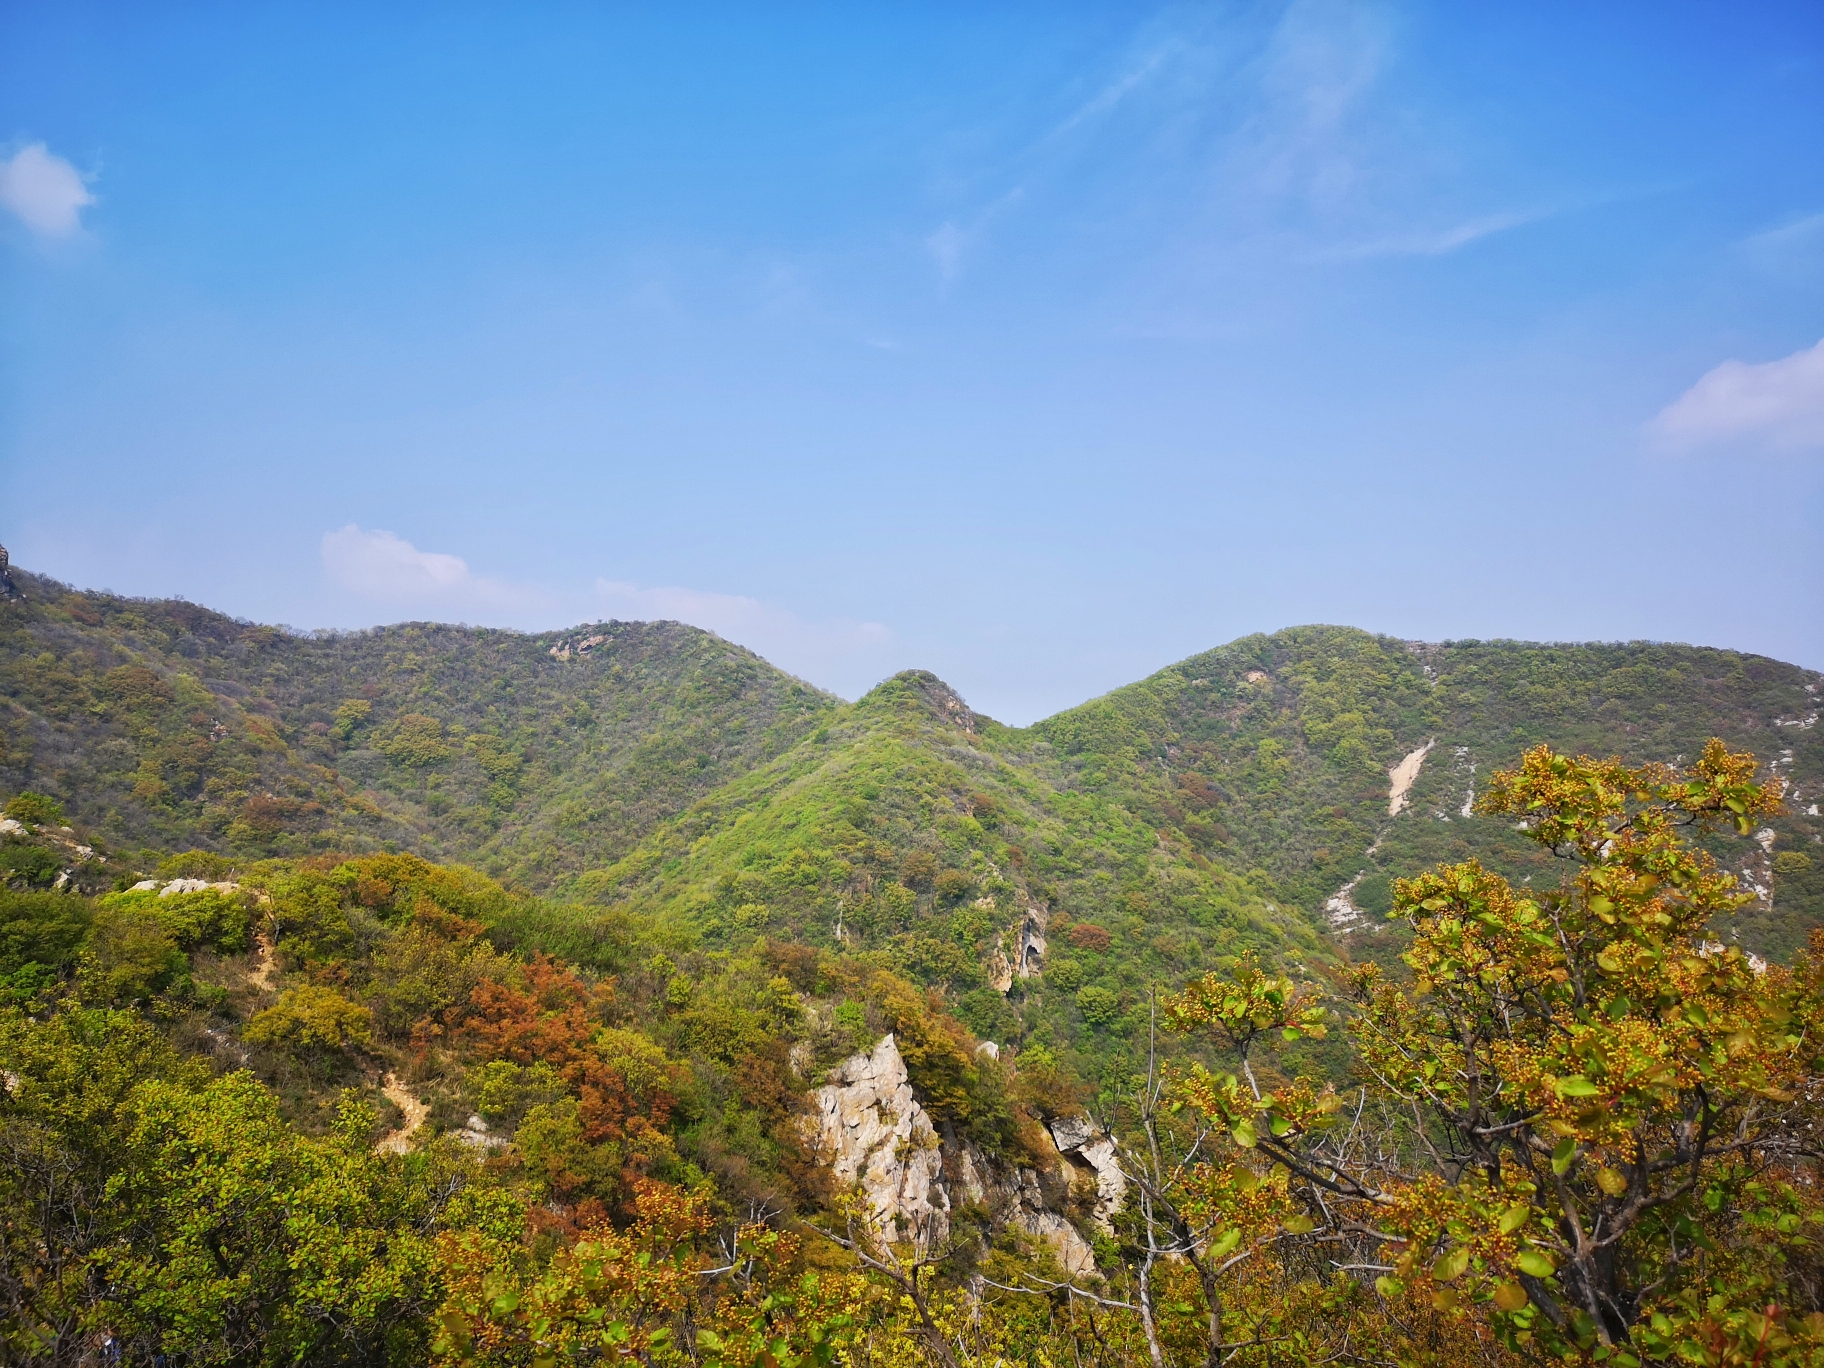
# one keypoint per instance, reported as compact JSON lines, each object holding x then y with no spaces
{"x":25,"y":864}
{"x":45,"y":929}
{"x":196,"y":864}
{"x":183,"y":728}
{"x":35,"y":809}
{"x":203,"y":917}
{"x":131,"y":955}
{"x":1099,"y":1006}
{"x":312,"y":1018}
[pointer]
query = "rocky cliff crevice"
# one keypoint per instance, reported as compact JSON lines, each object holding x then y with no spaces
{"x":877,"y":1141}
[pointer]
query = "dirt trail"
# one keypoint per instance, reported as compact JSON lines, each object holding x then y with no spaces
{"x":264,"y":965}
{"x":397,"y":1142}
{"x":1404,"y":775}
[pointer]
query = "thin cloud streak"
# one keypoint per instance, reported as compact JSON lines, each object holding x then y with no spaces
{"x":1431,"y":244}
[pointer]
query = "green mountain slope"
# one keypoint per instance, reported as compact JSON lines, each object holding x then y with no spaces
{"x":944,"y":843}
{"x":1239,"y":798}
{"x":1237,"y":801}
{"x":1273,"y":753}
{"x":164,"y":724}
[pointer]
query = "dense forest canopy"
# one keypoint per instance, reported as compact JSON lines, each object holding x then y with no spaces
{"x":444,"y":992}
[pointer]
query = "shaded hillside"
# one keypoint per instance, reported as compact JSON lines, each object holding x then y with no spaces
{"x":164,"y":724}
{"x":1237,"y":801}
{"x":946,"y":846}
{"x":1273,"y":753}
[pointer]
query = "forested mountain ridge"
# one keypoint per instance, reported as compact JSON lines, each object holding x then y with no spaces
{"x":1274,"y":753}
{"x":163,"y":724}
{"x":1243,"y":789}
{"x":946,"y":845}
{"x":1237,"y":801}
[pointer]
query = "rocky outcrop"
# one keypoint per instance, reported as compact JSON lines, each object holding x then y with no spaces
{"x":176,"y":886}
{"x":1031,"y":957}
{"x":1000,"y":971}
{"x":1085,"y":1145}
{"x":874,"y":1136}
{"x":878,"y":1141}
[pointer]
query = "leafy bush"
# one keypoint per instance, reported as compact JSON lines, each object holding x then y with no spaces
{"x":205,"y":917}
{"x":33,"y":866}
{"x":310,"y":1018}
{"x":41,"y":928}
{"x":1089,"y":936}
{"x":132,"y":954}
{"x":35,"y":809}
{"x":1098,"y":1005}
{"x":196,"y":864}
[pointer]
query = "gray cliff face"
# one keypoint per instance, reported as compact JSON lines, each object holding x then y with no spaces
{"x":1085,"y":1146}
{"x":878,"y":1140}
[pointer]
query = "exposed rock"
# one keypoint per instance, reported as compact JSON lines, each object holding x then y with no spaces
{"x":874,"y":1135}
{"x":989,"y":1048}
{"x":1030,"y":959}
{"x":11,"y":827}
{"x":1083,"y":1143}
{"x":1340,"y":908}
{"x":477,"y":1135}
{"x":192,"y":886}
{"x":1403,"y":776}
{"x":1000,"y":971}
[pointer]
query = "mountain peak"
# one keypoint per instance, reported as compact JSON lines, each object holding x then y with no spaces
{"x":924,"y":691}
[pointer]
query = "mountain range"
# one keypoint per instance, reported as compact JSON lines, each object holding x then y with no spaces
{"x":1260,"y":796}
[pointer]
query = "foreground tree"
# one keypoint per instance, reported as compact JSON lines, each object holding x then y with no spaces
{"x":1587,"y":1125}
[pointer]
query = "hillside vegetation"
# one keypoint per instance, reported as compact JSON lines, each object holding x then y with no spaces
{"x":165,"y":725}
{"x":1273,"y":753}
{"x":444,"y":993}
{"x":372,"y":1110}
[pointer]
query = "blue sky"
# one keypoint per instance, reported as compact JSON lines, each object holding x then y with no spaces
{"x":1038,"y":346}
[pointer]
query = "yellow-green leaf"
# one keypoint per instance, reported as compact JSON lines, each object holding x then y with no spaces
{"x":1450,"y":1266}
{"x":1537,"y":1264}
{"x":1510,"y":1296}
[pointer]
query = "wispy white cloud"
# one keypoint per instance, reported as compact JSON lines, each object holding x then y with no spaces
{"x":1107,"y":99}
{"x":387,"y":568}
{"x":817,"y":650}
{"x":946,"y":248}
{"x":1431,"y":244}
{"x":44,"y":191}
{"x":1306,"y":136}
{"x":950,"y":243}
{"x":1793,"y":250}
{"x":1800,"y":233}
{"x":1776,"y":404}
